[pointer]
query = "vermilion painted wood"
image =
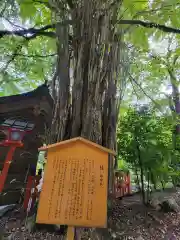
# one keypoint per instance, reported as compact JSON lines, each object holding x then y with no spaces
{"x":122,"y":188}
{"x":8,"y":141}
{"x":28,"y":191}
{"x":6,"y":167}
{"x":32,"y":182}
{"x":35,"y":193}
{"x":13,"y":145}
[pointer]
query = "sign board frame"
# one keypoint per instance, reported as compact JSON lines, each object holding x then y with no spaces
{"x":78,"y":156}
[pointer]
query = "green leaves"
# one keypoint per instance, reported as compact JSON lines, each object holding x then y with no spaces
{"x":27,"y":10}
{"x":139,"y":37}
{"x":35,"y":11}
{"x":152,"y":49}
{"x":152,"y":135}
{"x":11,"y":88}
{"x":25,"y":64}
{"x":135,"y":7}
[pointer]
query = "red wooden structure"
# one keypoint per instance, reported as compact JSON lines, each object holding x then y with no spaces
{"x":23,"y":121}
{"x":122,"y":184}
{"x":14,"y":131}
{"x":32,"y":183}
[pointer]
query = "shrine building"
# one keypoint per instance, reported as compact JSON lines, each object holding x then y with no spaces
{"x":23,"y":120}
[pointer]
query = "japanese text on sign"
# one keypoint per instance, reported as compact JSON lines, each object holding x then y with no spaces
{"x":74,"y":191}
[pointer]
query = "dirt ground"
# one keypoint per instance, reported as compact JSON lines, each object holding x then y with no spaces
{"x":128,"y":219}
{"x":131,"y":220}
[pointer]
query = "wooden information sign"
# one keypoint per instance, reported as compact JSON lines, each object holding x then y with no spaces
{"x":75,"y":187}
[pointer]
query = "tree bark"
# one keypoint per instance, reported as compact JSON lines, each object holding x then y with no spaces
{"x":176,"y":108}
{"x":137,"y":179}
{"x":153,"y":180}
{"x":86,"y":103}
{"x":141,"y":170}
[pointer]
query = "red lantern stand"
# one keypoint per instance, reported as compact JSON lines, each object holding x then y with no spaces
{"x":33,"y":180}
{"x":12,"y":144}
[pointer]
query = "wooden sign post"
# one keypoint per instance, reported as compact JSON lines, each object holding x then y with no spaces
{"x":70,"y":233}
{"x":74,"y":191}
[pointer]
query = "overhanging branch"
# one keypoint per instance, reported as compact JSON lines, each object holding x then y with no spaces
{"x":32,"y":56}
{"x":3,"y":10}
{"x":13,"y":56}
{"x":44,"y":31}
{"x":18,"y":49}
{"x":161,"y":27}
{"x":42,"y":2}
{"x":144,"y":92}
{"x":30,"y":33}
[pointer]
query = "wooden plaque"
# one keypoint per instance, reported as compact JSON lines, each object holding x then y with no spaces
{"x":74,"y":191}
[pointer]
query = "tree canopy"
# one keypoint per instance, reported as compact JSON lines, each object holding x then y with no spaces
{"x":28,"y":45}
{"x":145,"y":142}
{"x":41,"y":39}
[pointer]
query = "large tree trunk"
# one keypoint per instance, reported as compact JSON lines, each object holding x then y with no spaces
{"x":86,"y":101}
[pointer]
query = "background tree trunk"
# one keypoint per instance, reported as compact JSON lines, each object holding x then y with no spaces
{"x":175,"y":102}
{"x":137,"y":179}
{"x":141,"y":170}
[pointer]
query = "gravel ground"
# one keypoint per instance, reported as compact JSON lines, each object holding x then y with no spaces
{"x":129,"y":219}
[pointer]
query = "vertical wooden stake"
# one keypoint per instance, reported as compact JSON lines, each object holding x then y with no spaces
{"x":28,"y":192}
{"x":5,"y":170}
{"x":70,"y":233}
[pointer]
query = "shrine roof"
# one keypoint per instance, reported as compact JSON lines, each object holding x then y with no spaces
{"x":87,"y":142}
{"x":41,"y":91}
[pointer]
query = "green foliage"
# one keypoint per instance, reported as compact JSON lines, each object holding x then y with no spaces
{"x":35,"y":11}
{"x":25,"y":64}
{"x":152,"y":135}
{"x":41,"y":160}
{"x":123,"y":165}
{"x":35,"y":70}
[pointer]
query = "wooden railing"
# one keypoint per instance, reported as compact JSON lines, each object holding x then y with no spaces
{"x":122,"y":184}
{"x":32,"y":183}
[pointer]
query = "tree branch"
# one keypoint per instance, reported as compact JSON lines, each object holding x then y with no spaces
{"x":3,"y":10}
{"x":13,"y":56}
{"x":163,"y":8}
{"x":147,"y":95}
{"x":18,"y":48}
{"x":70,"y":3}
{"x":150,"y":25}
{"x":14,"y":25}
{"x":43,"y":2}
{"x":32,"y":56}
{"x":30,"y":33}
{"x":175,"y":59}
